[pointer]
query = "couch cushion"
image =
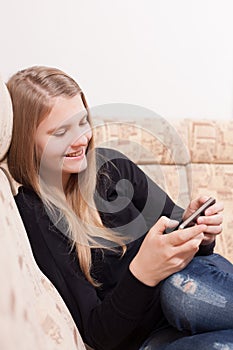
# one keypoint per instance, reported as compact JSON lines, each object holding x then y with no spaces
{"x":211,"y":141}
{"x":146,"y":140}
{"x":216,"y":180}
{"x":6,"y":119}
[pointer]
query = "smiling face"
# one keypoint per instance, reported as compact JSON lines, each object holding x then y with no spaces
{"x":62,"y":138}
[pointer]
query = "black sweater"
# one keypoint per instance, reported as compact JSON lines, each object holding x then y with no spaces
{"x":123,"y":311}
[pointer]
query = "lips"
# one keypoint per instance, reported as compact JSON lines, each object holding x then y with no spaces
{"x":75,"y":154}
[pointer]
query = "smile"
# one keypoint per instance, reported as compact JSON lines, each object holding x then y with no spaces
{"x":75,"y":154}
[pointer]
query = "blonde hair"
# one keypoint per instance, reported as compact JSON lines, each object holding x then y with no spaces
{"x":32,"y":92}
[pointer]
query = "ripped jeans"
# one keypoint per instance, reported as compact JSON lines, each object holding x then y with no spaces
{"x":198,"y":306}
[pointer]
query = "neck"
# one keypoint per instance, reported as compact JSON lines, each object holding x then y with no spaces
{"x":65,"y":179}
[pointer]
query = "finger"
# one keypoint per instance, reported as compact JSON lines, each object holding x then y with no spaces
{"x":181,"y":236}
{"x":212,"y":220}
{"x":214,"y":209}
{"x":196,"y":203}
{"x":163,"y":223}
{"x":213,"y":230}
{"x":189,"y":248}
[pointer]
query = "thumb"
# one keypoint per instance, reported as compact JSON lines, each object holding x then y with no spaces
{"x":163,"y":223}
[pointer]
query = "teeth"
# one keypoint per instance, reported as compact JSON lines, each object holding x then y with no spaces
{"x":74,"y":154}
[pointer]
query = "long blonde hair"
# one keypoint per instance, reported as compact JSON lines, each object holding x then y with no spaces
{"x":32,"y":92}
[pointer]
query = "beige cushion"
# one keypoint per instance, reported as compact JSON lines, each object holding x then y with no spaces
{"x":145,"y":140}
{"x":211,"y":141}
{"x":6,"y":119}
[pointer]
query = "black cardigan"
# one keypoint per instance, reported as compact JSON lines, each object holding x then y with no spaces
{"x":123,"y":311}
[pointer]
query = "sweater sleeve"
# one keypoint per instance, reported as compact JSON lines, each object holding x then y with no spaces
{"x":151,"y":201}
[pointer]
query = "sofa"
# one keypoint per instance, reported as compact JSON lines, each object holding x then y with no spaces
{"x":186,"y":157}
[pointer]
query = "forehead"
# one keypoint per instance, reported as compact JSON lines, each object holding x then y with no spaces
{"x":63,"y":111}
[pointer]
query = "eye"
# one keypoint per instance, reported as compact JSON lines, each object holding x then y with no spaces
{"x":84,"y":120}
{"x":60,"y":132}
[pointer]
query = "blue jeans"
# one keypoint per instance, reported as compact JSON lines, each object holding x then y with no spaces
{"x":198,"y":307}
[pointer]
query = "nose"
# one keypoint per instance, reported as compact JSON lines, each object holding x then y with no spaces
{"x":81,"y":140}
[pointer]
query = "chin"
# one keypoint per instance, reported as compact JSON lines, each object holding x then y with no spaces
{"x":76,"y":170}
{"x":73,"y":166}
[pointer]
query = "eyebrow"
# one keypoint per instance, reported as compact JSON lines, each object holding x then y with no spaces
{"x":65,"y":126}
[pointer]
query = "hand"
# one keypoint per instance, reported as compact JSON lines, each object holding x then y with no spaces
{"x":161,"y":255}
{"x":213,"y":218}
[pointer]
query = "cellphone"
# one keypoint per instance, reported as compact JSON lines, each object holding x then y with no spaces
{"x":191,"y":220}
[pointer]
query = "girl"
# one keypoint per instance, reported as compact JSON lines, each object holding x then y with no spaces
{"x":126,"y":284}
